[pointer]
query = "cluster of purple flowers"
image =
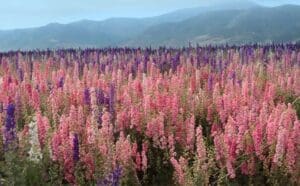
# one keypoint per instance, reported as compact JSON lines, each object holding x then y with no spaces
{"x":87,"y":96}
{"x":113,"y":179}
{"x":75,"y":148}
{"x":21,"y":74}
{"x":61,"y":82}
{"x":111,"y":99}
{"x":100,"y":97}
{"x":9,"y":126}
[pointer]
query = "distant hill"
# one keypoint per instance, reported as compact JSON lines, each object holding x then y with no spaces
{"x":259,"y":24}
{"x":243,"y":23}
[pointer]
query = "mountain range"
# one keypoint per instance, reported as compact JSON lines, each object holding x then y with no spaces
{"x":228,"y":23}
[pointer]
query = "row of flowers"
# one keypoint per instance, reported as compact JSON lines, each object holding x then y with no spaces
{"x":190,"y":116}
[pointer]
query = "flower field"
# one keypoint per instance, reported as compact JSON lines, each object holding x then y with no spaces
{"x":222,"y":115}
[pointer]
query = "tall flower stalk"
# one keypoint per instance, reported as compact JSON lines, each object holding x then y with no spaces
{"x":10,"y":127}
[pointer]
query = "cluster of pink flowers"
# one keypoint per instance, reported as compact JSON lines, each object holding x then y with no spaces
{"x":206,"y":104}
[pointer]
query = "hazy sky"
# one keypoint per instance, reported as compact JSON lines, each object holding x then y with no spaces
{"x":31,"y":13}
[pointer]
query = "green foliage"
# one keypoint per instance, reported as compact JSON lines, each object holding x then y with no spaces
{"x":296,"y":105}
{"x":288,"y":97}
{"x":130,"y":177}
{"x":12,"y":169}
{"x":159,"y":171}
{"x":80,"y":175}
{"x":24,"y":116}
{"x":17,"y":169}
{"x":33,"y":174}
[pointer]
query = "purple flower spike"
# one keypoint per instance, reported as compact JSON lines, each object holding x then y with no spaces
{"x":87,"y":96}
{"x":21,"y":74}
{"x":100,"y":97}
{"x":210,"y":83}
{"x":233,"y":76}
{"x":9,"y":127}
{"x":116,"y":176}
{"x":111,"y":98}
{"x":112,"y":179}
{"x":75,"y":148}
{"x":61,"y":82}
